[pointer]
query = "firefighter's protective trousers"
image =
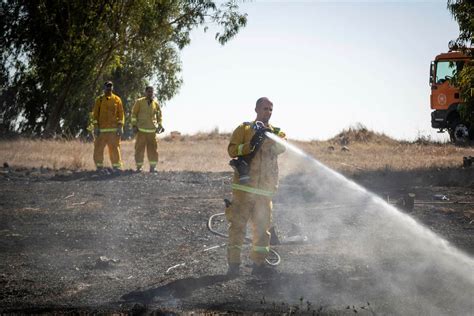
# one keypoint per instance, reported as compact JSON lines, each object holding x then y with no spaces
{"x":252,"y":201}
{"x":258,"y":210}
{"x":112,"y":141}
{"x":146,"y":140}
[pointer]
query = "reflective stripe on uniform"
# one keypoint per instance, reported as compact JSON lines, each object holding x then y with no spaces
{"x":104,"y":130}
{"x":134,"y":119}
{"x":147,"y":130}
{"x":116,"y":165}
{"x":99,"y":164}
{"x":94,"y":121}
{"x":234,"y":247}
{"x":261,"y":249}
{"x":240,"y":149}
{"x":139,"y":164}
{"x":153,"y":163}
{"x":248,"y":189}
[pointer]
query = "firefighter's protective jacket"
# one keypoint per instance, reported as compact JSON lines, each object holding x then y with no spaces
{"x":263,"y":166}
{"x":146,"y":115}
{"x":107,"y":113}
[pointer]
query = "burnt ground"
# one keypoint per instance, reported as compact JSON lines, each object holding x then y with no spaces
{"x":82,"y":242}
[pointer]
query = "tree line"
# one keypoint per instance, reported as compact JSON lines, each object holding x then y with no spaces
{"x":56,"y":54}
{"x":463,"y":13}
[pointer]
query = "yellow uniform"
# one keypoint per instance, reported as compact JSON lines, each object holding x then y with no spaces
{"x":253,"y":200}
{"x":108,"y":117}
{"x":146,"y":116}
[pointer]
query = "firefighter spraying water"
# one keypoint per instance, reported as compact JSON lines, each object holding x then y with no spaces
{"x":385,"y":255}
{"x":255,"y":182}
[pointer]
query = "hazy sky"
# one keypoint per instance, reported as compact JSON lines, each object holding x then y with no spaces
{"x":326,"y":65}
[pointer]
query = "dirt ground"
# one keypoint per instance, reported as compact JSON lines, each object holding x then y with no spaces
{"x":82,"y":242}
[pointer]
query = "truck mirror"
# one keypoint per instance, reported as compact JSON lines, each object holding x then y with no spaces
{"x":432,"y":72}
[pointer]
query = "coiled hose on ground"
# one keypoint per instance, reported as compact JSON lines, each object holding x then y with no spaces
{"x":275,"y":258}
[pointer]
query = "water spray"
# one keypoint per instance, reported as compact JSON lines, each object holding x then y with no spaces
{"x":374,"y":198}
{"x":402,"y":265}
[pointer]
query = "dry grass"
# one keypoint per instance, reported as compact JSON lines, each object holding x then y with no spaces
{"x":208,"y":152}
{"x":360,"y":134}
{"x":364,"y":156}
{"x":187,"y":154}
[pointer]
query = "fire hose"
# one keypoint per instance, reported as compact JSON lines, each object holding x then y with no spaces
{"x":274,"y":260}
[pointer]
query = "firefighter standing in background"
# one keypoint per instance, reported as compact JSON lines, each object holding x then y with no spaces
{"x":108,"y":118}
{"x":252,"y":193}
{"x":146,"y":122}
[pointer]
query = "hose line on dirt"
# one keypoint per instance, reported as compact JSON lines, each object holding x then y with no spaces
{"x":274,"y":261}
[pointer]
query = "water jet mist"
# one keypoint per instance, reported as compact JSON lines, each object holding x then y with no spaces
{"x":364,"y":249}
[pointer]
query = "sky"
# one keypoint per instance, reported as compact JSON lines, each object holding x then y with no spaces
{"x":325,"y":65}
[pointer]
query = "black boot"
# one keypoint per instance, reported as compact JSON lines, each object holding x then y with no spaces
{"x":263,"y":270}
{"x":234,"y":270}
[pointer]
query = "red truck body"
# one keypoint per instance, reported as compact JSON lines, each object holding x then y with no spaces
{"x":445,"y":98}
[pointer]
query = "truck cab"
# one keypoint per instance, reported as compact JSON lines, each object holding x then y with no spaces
{"x":445,"y":98}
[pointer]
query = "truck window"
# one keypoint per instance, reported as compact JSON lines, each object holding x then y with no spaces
{"x":446,"y":70}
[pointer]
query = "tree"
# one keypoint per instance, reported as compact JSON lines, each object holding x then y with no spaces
{"x":56,"y":53}
{"x":463,"y":13}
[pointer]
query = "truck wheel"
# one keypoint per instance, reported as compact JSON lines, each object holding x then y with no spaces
{"x":459,"y":133}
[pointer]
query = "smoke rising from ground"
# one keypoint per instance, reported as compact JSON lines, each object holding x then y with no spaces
{"x":363,"y":249}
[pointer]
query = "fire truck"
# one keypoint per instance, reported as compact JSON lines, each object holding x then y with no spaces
{"x":445,"y":98}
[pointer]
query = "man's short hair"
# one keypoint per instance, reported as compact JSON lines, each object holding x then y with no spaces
{"x":261,"y":100}
{"x":108,"y":83}
{"x":148,"y":87}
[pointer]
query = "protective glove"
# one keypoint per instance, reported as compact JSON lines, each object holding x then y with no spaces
{"x":160,"y":129}
{"x":134,"y":130}
{"x":96,"y":131}
{"x":257,"y":139}
{"x":120,"y":131}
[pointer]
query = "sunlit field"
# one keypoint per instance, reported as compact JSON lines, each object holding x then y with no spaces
{"x":350,"y":151}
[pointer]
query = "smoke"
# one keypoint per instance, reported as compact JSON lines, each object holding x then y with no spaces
{"x":362,"y":249}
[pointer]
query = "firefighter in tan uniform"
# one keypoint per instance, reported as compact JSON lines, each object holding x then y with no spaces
{"x":108,"y":118}
{"x":255,"y":181}
{"x":146,"y":122}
